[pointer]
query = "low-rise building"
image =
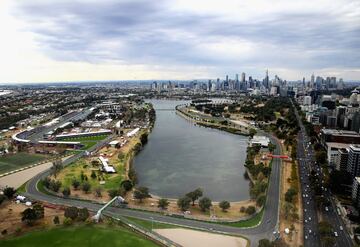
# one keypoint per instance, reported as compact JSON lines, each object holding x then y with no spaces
{"x":263,"y":141}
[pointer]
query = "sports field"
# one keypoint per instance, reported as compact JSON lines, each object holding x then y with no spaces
{"x":79,"y":236}
{"x":87,"y":141}
{"x":16,"y":161}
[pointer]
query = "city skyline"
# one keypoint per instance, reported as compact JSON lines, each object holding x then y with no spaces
{"x":180,"y":40}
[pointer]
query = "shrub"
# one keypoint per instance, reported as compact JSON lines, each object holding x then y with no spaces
{"x":98,"y":191}
{"x":75,"y":183}
{"x":93,"y":174}
{"x":68,"y":222}
{"x":86,"y":187}
{"x":66,"y":192}
{"x":71,"y":212}
{"x":242,"y":209}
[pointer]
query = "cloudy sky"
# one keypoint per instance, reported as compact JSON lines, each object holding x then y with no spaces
{"x":177,"y":39}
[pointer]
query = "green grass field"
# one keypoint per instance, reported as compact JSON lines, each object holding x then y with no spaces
{"x":16,"y":161}
{"x":79,"y":236}
{"x":148,"y":224}
{"x":247,"y":223}
{"x":87,"y":141}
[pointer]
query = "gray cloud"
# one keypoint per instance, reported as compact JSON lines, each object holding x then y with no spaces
{"x":147,"y":32}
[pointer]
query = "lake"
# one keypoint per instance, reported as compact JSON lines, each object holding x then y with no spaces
{"x":180,"y":157}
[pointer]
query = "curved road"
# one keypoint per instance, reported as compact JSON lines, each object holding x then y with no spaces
{"x":265,"y":229}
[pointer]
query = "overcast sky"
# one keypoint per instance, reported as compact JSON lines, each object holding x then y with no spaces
{"x":177,"y":39}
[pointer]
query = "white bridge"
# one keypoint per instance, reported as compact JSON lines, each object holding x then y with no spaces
{"x":117,"y":199}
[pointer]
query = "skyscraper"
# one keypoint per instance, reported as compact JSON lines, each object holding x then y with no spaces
{"x":266,"y":80}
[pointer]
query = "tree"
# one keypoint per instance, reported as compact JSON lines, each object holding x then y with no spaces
{"x":39,"y":210}
{"x":2,"y":198}
{"x":127,"y":185}
{"x":66,"y":191}
{"x":271,"y":147}
{"x":71,"y":212}
{"x":93,"y":174}
{"x":328,"y":241}
{"x":260,"y":200}
{"x":56,"y":167}
{"x":224,"y":205}
{"x":75,"y":183}
{"x":289,"y":195}
{"x":163,"y":203}
{"x":86,"y":187}
{"x":46,"y":182}
{"x":252,"y":132}
{"x":112,"y":193}
{"x":194,"y":195}
{"x":83,"y":214}
{"x":250,"y":210}
{"x":265,"y":243}
{"x":9,"y":192}
{"x":56,"y":220}
{"x":205,"y":203}
{"x":184,"y":203}
{"x":29,"y":216}
{"x":141,"y":193}
{"x":55,"y":185}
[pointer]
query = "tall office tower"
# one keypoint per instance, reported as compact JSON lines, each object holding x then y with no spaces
{"x":213,"y":87}
{"x":237,"y":77}
{"x":209,"y":85}
{"x":242,"y":77}
{"x":319,"y":82}
{"x":251,"y":82}
{"x":327,"y":83}
{"x":312,"y":82}
{"x":333,"y":82}
{"x":353,"y":163}
{"x":340,"y":85}
{"x":303,"y":83}
{"x":227,"y":79}
{"x":218,"y":84}
{"x":266,"y":80}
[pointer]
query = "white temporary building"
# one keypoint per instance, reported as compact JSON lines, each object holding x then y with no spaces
{"x":263,"y":141}
{"x":133,"y":132}
{"x":105,"y":165}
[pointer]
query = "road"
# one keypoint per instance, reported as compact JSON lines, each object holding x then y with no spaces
{"x":265,"y":229}
{"x":306,"y":159}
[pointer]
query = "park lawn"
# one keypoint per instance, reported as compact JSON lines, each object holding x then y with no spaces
{"x":79,"y":236}
{"x":19,"y":160}
{"x":148,"y":224}
{"x":73,"y":171}
{"x":247,"y":223}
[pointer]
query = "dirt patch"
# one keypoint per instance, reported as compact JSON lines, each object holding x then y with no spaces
{"x":295,"y":237}
{"x":10,"y":219}
{"x":190,"y":238}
